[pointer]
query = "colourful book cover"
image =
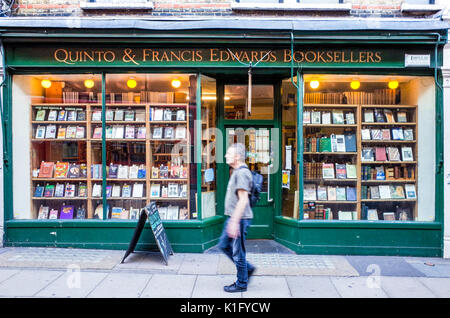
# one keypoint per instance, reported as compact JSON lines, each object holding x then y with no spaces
{"x":61,"y":169}
{"x":53,"y":214}
{"x":66,"y":212}
{"x":46,"y":169}
{"x":49,"y":190}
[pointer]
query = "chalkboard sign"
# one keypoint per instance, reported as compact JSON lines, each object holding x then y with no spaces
{"x":151,"y":213}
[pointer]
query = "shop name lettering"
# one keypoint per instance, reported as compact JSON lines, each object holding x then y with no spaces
{"x":143,"y":56}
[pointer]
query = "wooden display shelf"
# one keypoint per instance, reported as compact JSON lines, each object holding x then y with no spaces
{"x":151,"y":122}
{"x":330,"y":180}
{"x":331,"y":202}
{"x":119,"y":122}
{"x":60,"y":104}
{"x":59,"y":198}
{"x":330,"y":125}
{"x":388,"y":141}
{"x":388,"y":162}
{"x":58,"y":140}
{"x":168,"y":199}
{"x":165,"y":140}
{"x":169,"y":180}
{"x":388,"y":124}
{"x":168,"y":104}
{"x":60,"y":122}
{"x":389,"y":106}
{"x":330,"y":153}
{"x":120,"y":180}
{"x":120,"y":198}
{"x":58,"y":179}
{"x":388,"y":200}
{"x":118,"y":139}
{"x":330,"y":105}
{"x":388,"y":181}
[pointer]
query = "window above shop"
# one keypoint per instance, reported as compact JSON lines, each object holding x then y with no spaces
{"x":292,"y":5}
{"x":116,"y":5}
{"x":421,"y":6}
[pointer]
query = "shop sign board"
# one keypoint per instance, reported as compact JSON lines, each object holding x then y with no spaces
{"x":75,"y":56}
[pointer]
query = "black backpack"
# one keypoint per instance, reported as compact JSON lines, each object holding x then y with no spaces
{"x":257,"y":183}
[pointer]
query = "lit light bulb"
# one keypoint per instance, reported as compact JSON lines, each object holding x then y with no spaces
{"x":176,"y":83}
{"x":355,"y":84}
{"x":46,"y":83}
{"x":314,"y":84}
{"x":131,"y":83}
{"x":89,"y":83}
{"x":393,"y":84}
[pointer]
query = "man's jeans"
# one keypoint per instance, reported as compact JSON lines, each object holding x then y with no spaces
{"x":235,"y":250}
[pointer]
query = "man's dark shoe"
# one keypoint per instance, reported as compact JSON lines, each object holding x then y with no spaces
{"x":233,"y":288}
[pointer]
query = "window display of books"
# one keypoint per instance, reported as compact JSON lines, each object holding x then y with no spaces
{"x":138,"y":132}
{"x":359,"y":155}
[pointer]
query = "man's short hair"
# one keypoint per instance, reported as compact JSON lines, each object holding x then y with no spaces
{"x":239,"y":149}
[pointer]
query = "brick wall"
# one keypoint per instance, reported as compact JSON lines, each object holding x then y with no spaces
{"x":190,"y":8}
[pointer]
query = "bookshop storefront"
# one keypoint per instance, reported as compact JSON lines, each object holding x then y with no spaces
{"x":93,"y":133}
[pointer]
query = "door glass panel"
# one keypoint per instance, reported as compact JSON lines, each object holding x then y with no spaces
{"x":236,"y":102}
{"x":257,"y":145}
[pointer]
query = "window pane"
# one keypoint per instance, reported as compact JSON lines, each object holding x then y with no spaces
{"x":290,"y":203}
{"x":362,"y":145}
{"x":149,"y":123}
{"x":236,"y":102}
{"x":211,"y":140}
{"x":51,"y":145}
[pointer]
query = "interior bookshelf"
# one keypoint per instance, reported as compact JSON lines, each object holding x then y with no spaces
{"x":378,"y":148}
{"x":147,"y":159}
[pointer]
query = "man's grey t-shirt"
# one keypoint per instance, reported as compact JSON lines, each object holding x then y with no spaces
{"x":241,"y":178}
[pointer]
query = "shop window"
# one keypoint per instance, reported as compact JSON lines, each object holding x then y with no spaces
{"x":237,"y":106}
{"x":363,"y":138}
{"x":290,"y":168}
{"x":149,"y":121}
{"x":211,"y":147}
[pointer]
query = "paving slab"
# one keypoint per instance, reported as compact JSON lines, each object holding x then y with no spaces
{"x":292,"y":264}
{"x":311,"y":287}
{"x":358,"y":287}
{"x":438,"y":286}
{"x":59,"y":258}
{"x":7,"y":273}
{"x":212,"y":287}
{"x":199,"y":264}
{"x":405,"y":287}
{"x":27,"y":283}
{"x":123,"y":285}
{"x":435,"y":270}
{"x":73,"y":285}
{"x":169,"y":286}
{"x":267,"y":287}
{"x":383,"y":266}
{"x":152,"y":262}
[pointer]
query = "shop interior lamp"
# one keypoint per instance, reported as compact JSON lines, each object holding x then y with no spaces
{"x":355,"y":84}
{"x":314,"y":84}
{"x":393,"y":84}
{"x":89,"y":83}
{"x":176,"y":83}
{"x":46,"y":83}
{"x":131,"y":83}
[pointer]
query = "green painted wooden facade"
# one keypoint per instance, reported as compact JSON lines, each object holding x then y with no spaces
{"x":302,"y":236}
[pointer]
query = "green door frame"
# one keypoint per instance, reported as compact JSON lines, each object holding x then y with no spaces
{"x":275,"y":123}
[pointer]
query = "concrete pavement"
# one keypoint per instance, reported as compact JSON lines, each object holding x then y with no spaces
{"x":80,"y":273}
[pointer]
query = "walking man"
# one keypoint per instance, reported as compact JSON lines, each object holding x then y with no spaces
{"x":238,"y":217}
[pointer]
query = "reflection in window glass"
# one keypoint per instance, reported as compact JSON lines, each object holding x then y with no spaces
{"x":149,"y":121}
{"x":362,"y":145}
{"x":237,"y":106}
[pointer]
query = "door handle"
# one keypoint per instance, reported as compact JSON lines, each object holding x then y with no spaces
{"x":269,"y":198}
